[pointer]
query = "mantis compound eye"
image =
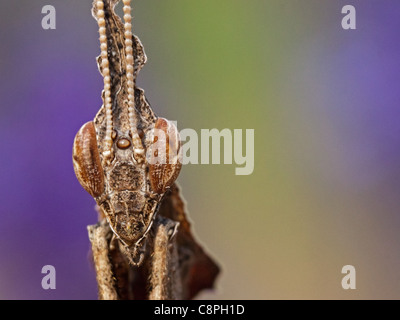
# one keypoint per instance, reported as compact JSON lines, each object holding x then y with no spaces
{"x":164,"y":156}
{"x":86,"y":159}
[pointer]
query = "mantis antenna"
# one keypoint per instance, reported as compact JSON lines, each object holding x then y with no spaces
{"x":137,"y":142}
{"x":107,"y":79}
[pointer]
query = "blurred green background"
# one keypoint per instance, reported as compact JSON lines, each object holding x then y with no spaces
{"x":324,"y":105}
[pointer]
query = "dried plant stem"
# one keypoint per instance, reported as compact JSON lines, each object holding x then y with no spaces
{"x":100,"y":236}
{"x":165,"y":276}
{"x":116,"y":278}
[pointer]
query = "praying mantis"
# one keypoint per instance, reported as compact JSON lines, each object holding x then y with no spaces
{"x":128,"y":159}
